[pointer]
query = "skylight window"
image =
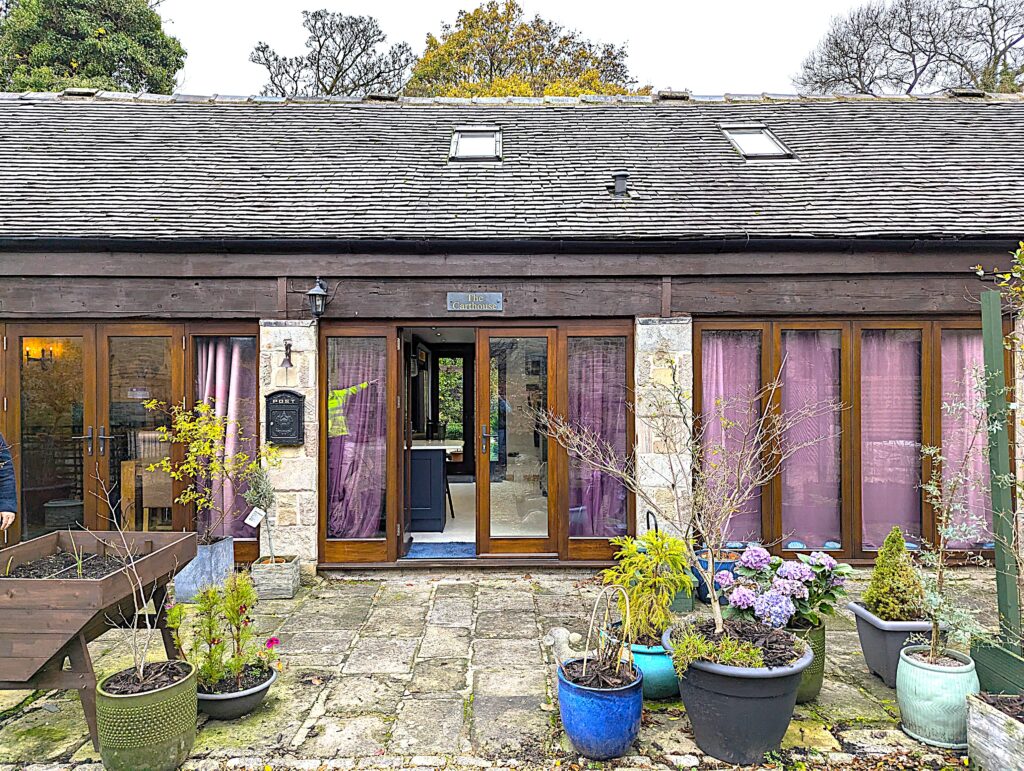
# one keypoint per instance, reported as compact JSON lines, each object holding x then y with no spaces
{"x":755,"y":141}
{"x":476,"y":143}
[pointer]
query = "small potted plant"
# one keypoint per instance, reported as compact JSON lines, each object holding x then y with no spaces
{"x":235,"y":671}
{"x":218,"y":464}
{"x":891,"y":608}
{"x":814,"y":582}
{"x":275,"y":577}
{"x":600,"y":696}
{"x":652,"y":570}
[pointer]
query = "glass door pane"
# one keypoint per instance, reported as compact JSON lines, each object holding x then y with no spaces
{"x":51,"y":442}
{"x":139,"y":368}
{"x":513,"y":453}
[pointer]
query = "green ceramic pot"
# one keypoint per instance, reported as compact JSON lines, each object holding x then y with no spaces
{"x":933,"y":699}
{"x":151,"y":731}
{"x":814,"y":675}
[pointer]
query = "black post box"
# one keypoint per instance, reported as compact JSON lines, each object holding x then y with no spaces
{"x":285,"y":418}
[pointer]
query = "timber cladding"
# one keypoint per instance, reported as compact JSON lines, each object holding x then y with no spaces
{"x":400,"y":286}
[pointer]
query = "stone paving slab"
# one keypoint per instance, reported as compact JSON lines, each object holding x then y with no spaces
{"x":424,"y":670}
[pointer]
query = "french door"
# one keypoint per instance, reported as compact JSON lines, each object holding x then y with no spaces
{"x":80,"y":433}
{"x":516,"y":500}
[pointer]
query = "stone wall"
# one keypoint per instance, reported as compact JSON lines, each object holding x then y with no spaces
{"x":294,"y":517}
{"x":660,"y":343}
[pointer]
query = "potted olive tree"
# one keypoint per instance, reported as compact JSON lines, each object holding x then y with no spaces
{"x":891,"y":608}
{"x":275,"y":577}
{"x":712,"y":467}
{"x":652,"y":570}
{"x":933,"y":681}
{"x":217,"y":464}
{"x":234,"y":669}
{"x":813,"y":582}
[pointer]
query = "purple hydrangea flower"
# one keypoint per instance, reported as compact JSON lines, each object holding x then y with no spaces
{"x":755,"y":558}
{"x":796,"y":589}
{"x":795,"y":571}
{"x":837,"y":581}
{"x":774,"y":608}
{"x":742,"y":598}
{"x":724,"y":578}
{"x":825,"y":560}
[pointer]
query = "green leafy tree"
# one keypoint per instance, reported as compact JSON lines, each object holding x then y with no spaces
{"x":120,"y":45}
{"x":494,"y":50}
{"x":450,"y":395}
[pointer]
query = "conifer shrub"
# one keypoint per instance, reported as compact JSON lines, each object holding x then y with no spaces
{"x":895,"y":592}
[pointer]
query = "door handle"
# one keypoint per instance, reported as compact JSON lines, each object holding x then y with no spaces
{"x":102,"y":436}
{"x":86,"y":437}
{"x":485,"y":439}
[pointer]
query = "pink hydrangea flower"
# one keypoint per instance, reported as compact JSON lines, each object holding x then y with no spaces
{"x":724,"y":578}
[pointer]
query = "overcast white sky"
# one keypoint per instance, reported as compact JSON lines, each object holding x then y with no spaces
{"x":708,"y":46}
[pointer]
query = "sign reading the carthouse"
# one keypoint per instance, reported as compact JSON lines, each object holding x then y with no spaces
{"x":487,"y":302}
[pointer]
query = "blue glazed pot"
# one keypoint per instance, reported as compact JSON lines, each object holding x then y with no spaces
{"x":601,"y":724}
{"x":728,"y":563}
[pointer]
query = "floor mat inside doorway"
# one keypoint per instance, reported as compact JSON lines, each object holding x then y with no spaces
{"x":452,"y":550}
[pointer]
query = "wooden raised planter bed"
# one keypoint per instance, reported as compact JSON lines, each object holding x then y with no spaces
{"x":44,"y":621}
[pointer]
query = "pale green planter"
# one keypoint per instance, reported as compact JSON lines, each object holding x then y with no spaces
{"x":933,"y":699}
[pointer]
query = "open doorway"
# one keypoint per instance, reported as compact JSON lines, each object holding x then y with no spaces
{"x":440,"y":516}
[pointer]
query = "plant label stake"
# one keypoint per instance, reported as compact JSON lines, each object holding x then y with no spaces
{"x":256,"y":516}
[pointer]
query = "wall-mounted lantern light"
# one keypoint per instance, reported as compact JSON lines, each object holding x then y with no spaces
{"x":317,"y":298}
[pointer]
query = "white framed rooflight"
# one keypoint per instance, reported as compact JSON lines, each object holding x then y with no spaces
{"x":476,"y":143}
{"x":755,"y":141}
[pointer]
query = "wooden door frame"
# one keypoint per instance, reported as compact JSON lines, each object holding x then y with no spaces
{"x":336,"y":551}
{"x":180,"y":517}
{"x":488,"y":547}
{"x":247,"y":550}
{"x":12,"y":367}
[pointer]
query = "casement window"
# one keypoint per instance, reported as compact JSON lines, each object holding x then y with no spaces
{"x":844,"y":493}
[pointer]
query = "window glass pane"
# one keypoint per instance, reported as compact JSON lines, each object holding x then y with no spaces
{"x":52,"y":405}
{"x":730,"y":379}
{"x":356,"y":437}
{"x":756,"y":142}
{"x":477,"y":144}
{"x":226,"y":378}
{"x":597,"y":402}
{"x":890,"y":425}
{"x":519,"y":452}
{"x":811,"y":479}
{"x":964,"y":440}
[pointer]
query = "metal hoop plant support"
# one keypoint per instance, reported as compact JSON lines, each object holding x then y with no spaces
{"x":606,"y":640}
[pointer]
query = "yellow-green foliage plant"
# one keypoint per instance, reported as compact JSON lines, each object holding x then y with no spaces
{"x":895,"y":592}
{"x":652,"y":570}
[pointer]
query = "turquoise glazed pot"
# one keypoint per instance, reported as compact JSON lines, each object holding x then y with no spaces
{"x":655,"y":663}
{"x":933,"y":699}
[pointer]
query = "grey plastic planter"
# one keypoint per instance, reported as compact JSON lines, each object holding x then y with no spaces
{"x":881,"y":641}
{"x":211,"y":566}
{"x":231,"y":706}
{"x":739,"y":713}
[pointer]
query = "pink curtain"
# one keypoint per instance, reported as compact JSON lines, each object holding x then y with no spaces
{"x":356,"y":437}
{"x":963,"y":367}
{"x":890,"y":425}
{"x":811,"y":477}
{"x":597,"y":401}
{"x":226,"y":371}
{"x":730,"y":378}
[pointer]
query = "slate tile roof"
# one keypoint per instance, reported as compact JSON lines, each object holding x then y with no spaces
{"x":105,"y":165}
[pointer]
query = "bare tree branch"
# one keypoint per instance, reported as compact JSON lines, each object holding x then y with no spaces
{"x":343,"y":58}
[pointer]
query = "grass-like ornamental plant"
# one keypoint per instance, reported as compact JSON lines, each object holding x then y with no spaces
{"x":651,"y":570}
{"x":894,"y":592}
{"x":692,"y":646}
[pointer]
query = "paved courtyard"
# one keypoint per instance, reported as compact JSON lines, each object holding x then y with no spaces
{"x":429,"y":670}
